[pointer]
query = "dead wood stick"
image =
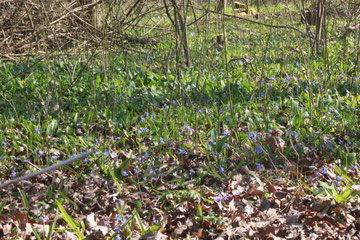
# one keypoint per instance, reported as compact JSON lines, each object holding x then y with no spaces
{"x":52,"y":167}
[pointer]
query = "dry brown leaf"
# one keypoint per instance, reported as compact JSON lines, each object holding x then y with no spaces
{"x":40,"y":228}
{"x":90,"y":220}
{"x":270,"y":187}
{"x":275,"y":142}
{"x":6,"y":228}
{"x":294,"y":219}
{"x":256,"y":192}
{"x":320,"y":204}
{"x":277,"y":132}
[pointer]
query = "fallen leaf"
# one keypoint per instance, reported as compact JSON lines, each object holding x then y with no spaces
{"x":277,"y":132}
{"x":320,"y":204}
{"x":294,"y":219}
{"x":90,"y":220}
{"x":6,"y":228}
{"x":270,"y":187}
{"x":255,"y":191}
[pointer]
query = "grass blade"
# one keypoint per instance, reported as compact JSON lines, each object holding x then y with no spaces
{"x":70,"y":221}
{"x":24,"y":198}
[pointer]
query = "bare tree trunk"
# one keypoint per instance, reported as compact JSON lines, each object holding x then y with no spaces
{"x":320,"y":26}
{"x":220,"y":6}
{"x":179,"y":23}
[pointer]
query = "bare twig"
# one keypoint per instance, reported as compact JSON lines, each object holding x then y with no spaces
{"x":255,"y":22}
{"x":52,"y":167}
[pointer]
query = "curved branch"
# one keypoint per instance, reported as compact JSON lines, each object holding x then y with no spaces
{"x":256,"y":22}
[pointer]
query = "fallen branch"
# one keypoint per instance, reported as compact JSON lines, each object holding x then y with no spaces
{"x":255,"y":22}
{"x":52,"y":167}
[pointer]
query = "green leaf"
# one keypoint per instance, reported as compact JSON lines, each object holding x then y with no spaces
{"x":24,"y":198}
{"x":345,"y":196}
{"x":306,"y":186}
{"x":107,"y":114}
{"x":76,"y":118}
{"x":350,"y":159}
{"x":115,"y":181}
{"x":258,"y":180}
{"x":2,"y":206}
{"x":198,"y":178}
{"x":327,"y":188}
{"x":35,"y":233}
{"x":139,"y":223}
{"x":154,"y":228}
{"x":52,"y":226}
{"x":62,"y":194}
{"x":49,"y":193}
{"x":69,"y":220}
{"x":199,"y":212}
{"x":51,"y":128}
{"x":193,"y":195}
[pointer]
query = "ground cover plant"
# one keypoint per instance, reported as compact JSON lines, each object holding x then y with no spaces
{"x":255,"y":138}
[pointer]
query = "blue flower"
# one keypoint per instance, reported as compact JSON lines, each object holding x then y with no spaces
{"x":259,"y":150}
{"x":162,"y":140}
{"x":182,"y":151}
{"x":324,"y":171}
{"x":43,"y":218}
{"x":258,"y":166}
{"x":118,"y":218}
{"x":37,"y":131}
{"x":252,"y":136}
{"x":189,"y":129}
{"x":146,"y":155}
{"x":13,"y":173}
{"x":294,"y":134}
{"x":124,"y":173}
{"x":222,"y":169}
{"x":329,"y":111}
{"x":106,"y":153}
{"x":224,"y":195}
